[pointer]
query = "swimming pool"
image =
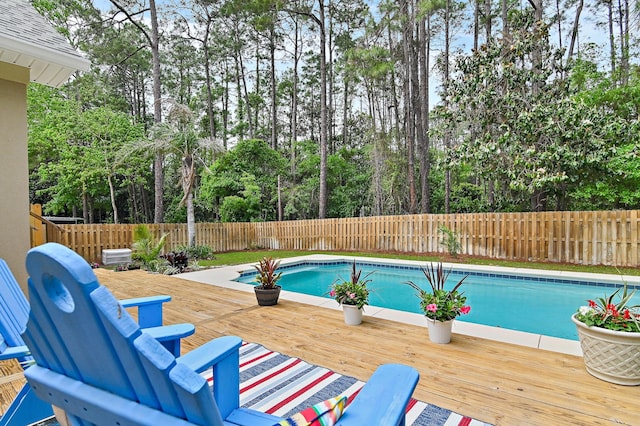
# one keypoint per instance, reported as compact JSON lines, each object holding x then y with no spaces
{"x":530,"y":303}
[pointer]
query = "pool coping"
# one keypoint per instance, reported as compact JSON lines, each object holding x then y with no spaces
{"x":224,"y":276}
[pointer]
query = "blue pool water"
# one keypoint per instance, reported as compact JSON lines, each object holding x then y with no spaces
{"x":531,"y":304}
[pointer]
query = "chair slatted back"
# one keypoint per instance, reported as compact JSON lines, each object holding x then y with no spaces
{"x":14,"y":309}
{"x":77,"y":328}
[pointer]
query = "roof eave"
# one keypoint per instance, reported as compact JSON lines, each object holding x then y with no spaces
{"x":48,"y":66}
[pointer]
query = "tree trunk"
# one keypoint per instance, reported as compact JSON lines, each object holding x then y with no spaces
{"x":417,"y":120}
{"x":623,"y":24}
{"x":559,"y":19}
{"x":207,"y":71}
{"x":330,"y":108}
{"x":612,"y":42}
{"x":191,"y":221}
{"x":279,"y":201}
{"x":274,"y":104}
{"x":112,"y":195}
{"x":294,"y":97}
{"x":245,"y":91}
{"x":322,"y":209}
{"x":574,"y":29}
{"x":425,"y":162}
{"x":409,"y":101}
{"x":476,"y":23}
{"x":158,"y":163}
{"x":85,"y":205}
{"x":90,"y":208}
{"x":345,"y":112}
{"x":188,"y":179}
{"x":505,"y":20}
{"x":447,"y":137}
{"x":394,"y":90}
{"x":225,"y":105}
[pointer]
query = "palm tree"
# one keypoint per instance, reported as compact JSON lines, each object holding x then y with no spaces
{"x":177,"y":136}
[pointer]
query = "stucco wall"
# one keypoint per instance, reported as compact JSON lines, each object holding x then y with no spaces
{"x":14,"y":173}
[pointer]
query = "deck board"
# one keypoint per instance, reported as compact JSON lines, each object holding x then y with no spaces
{"x":495,"y":382}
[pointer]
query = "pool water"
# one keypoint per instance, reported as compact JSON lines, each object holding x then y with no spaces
{"x":531,"y":304}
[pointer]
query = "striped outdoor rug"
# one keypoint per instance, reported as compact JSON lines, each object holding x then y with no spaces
{"x":280,"y":385}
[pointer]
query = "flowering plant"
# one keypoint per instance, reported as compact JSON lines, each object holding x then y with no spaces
{"x":604,"y":313}
{"x":440,"y":304}
{"x":353,"y":292}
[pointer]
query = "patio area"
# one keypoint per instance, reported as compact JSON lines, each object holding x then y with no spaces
{"x":496,"y":382}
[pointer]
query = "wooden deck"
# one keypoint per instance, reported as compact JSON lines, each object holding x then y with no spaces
{"x":494,"y":382}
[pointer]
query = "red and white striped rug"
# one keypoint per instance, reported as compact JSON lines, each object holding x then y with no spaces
{"x":280,"y":385}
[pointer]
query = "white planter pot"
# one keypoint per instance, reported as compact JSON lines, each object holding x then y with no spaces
{"x":439,"y":331}
{"x":352,"y":314}
{"x":613,"y":356}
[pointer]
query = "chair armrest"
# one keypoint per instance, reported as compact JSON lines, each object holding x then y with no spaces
{"x":224,"y":356}
{"x":15,"y":352}
{"x":210,"y":353}
{"x":170,"y":332}
{"x":170,"y":335}
{"x":149,"y":309}
{"x":383,"y":399}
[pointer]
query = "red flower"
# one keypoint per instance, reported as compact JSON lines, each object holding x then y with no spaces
{"x":592,"y":304}
{"x":627,"y":314}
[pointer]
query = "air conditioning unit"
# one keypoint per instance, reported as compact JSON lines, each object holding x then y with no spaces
{"x":116,"y":256}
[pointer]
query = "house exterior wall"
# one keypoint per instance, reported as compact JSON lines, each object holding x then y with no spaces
{"x":14,"y":183}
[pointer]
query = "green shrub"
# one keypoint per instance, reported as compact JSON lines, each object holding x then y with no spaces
{"x":197,"y":252}
{"x":450,"y":239}
{"x":145,"y":249}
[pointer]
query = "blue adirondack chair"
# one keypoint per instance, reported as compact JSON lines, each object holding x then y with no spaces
{"x":26,"y":408}
{"x":106,"y":372}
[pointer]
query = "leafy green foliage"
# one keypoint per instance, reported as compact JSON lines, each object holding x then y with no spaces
{"x":523,"y":129}
{"x":197,"y":252}
{"x":468,"y":198}
{"x":243,"y":208}
{"x":268,"y":276}
{"x":243,"y":182}
{"x":146,"y":249}
{"x":606,"y":312}
{"x":74,"y":152}
{"x":531,"y":132}
{"x":348,"y":181}
{"x":353,"y":291}
{"x":440,"y":304}
{"x":450,"y":239}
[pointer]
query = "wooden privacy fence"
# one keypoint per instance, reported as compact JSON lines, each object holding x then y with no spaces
{"x":590,"y":238}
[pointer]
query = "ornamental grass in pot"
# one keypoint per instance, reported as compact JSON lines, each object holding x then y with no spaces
{"x":440,"y":306}
{"x":609,"y":332}
{"x":352,"y":294}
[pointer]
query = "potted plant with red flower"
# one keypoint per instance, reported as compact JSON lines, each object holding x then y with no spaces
{"x":440,"y":306}
{"x":609,"y":332}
